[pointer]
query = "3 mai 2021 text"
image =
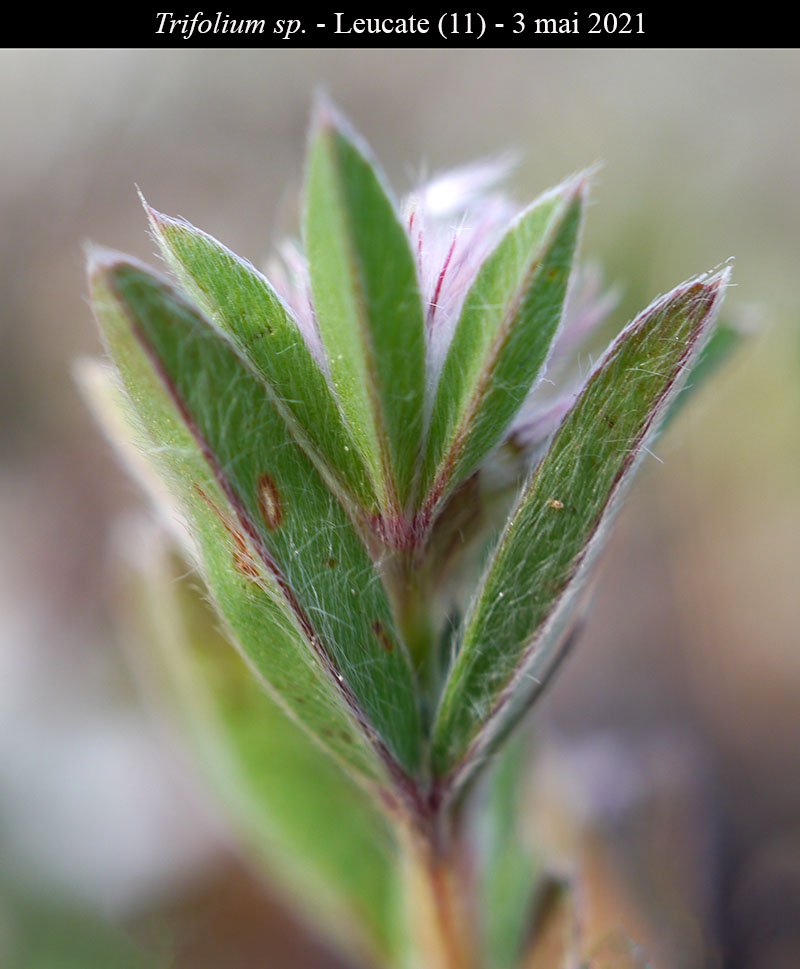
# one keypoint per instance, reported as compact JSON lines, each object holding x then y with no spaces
{"x":453,"y":25}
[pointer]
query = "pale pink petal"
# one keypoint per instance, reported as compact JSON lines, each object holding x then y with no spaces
{"x":453,"y":222}
{"x":588,"y":305}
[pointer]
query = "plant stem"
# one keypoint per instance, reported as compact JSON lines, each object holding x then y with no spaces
{"x":441,"y":920}
{"x":438,"y":902}
{"x":412,"y":593}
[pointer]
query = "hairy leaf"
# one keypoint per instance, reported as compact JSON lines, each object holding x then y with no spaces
{"x":319,"y":834}
{"x":294,"y":549}
{"x":368,"y":306}
{"x":167,"y":461}
{"x":241,"y":301}
{"x":724,"y":342}
{"x":510,"y":317}
{"x":522,"y":605}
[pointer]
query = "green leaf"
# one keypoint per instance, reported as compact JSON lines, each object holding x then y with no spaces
{"x":510,"y":873}
{"x":319,"y":836}
{"x":523,"y":604}
{"x":724,"y":342}
{"x":241,"y":301}
{"x":158,"y":449}
{"x":510,"y":317}
{"x":283,"y":559}
{"x":368,"y":306}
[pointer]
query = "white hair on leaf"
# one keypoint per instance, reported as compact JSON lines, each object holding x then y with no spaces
{"x":454,"y":221}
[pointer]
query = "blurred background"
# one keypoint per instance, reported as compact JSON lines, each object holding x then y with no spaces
{"x":687,"y":679}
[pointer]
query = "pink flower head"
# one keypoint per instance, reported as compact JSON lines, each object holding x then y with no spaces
{"x":454,"y":221}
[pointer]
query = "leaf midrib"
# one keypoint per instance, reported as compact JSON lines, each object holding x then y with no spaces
{"x":505,"y":330}
{"x":355,"y":271}
{"x":398,"y":774}
{"x":506,"y":692}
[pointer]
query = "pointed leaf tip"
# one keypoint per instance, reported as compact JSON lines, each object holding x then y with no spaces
{"x":242,"y":302}
{"x":142,"y":199}
{"x":719,"y":280}
{"x":324,"y":114}
{"x":154,"y":217}
{"x":327,"y":119}
{"x":528,"y":595}
{"x":101,"y":260}
{"x":166,"y":349}
{"x":508,"y":322}
{"x":368,"y":307}
{"x":577,"y":185}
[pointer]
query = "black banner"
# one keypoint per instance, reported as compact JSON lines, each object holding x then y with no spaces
{"x":295,"y":24}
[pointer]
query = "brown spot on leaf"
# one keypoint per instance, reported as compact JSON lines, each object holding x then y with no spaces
{"x":245,"y":564}
{"x":201,"y":492}
{"x":331,"y":563}
{"x":269,"y":501}
{"x":382,"y":636}
{"x":243,"y":560}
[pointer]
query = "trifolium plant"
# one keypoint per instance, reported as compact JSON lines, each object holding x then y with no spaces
{"x":390,"y":513}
